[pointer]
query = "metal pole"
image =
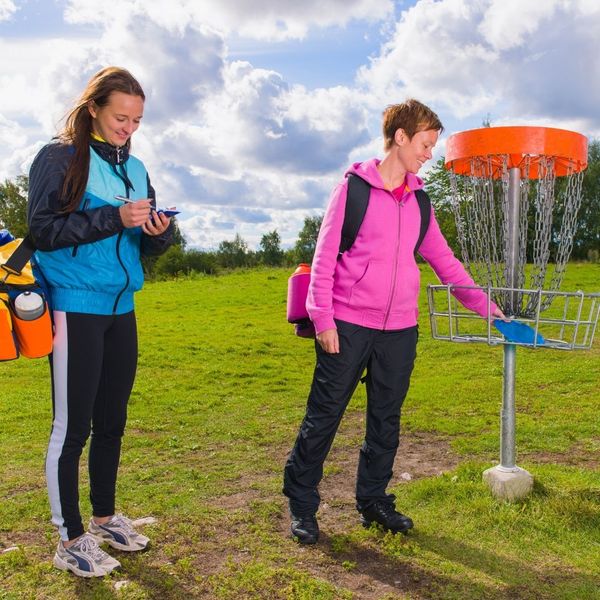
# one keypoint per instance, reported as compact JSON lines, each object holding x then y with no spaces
{"x":507,"y":422}
{"x":512,"y":240}
{"x":507,"y":425}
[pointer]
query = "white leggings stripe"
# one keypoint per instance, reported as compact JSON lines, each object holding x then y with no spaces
{"x":60,"y":356}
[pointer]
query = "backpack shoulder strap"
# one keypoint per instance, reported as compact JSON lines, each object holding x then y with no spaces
{"x":356,"y":207}
{"x":425,"y":208}
{"x":19,"y":258}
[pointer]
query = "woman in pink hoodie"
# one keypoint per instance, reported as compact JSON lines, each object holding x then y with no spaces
{"x":363,"y":305}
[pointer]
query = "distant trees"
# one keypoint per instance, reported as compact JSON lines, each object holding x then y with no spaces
{"x":149,"y":262}
{"x":440,"y":192}
{"x":13,"y":205}
{"x":234,"y":253}
{"x":587,"y":238}
{"x":307,"y":239}
{"x":270,"y":249}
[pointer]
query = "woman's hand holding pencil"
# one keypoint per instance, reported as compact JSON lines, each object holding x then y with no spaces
{"x":139,"y":213}
{"x":134,"y":213}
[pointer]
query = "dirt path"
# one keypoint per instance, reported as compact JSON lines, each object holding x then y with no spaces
{"x":361,"y":569}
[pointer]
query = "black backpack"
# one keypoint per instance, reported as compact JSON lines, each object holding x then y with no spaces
{"x":357,"y":201}
{"x":356,"y":207}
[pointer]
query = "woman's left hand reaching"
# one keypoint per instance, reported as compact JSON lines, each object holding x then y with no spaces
{"x":156,"y":224}
{"x":500,"y":315}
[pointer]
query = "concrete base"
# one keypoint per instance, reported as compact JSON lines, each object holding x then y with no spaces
{"x":508,"y":484}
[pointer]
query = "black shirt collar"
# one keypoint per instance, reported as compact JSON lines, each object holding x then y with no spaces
{"x":111,"y":154}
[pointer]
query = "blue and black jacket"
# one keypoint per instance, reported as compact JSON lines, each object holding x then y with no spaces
{"x":90,"y":260}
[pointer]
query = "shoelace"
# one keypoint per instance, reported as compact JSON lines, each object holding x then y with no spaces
{"x":124,"y":522}
{"x":388,"y":510}
{"x":90,"y":546}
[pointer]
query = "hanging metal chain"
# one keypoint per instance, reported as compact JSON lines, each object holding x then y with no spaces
{"x":523,"y":214}
{"x":542,"y":221}
{"x":571,"y":202}
{"x":480,"y":206}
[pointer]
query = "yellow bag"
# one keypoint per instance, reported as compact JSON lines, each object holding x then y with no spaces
{"x":11,"y":274}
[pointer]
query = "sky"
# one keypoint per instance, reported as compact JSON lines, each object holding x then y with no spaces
{"x":255,"y":108}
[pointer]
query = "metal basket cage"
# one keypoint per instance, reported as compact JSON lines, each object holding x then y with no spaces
{"x":569,"y":324}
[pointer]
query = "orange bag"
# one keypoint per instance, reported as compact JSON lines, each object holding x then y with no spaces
{"x":31,"y":338}
{"x":8,"y":348}
{"x":34,"y":338}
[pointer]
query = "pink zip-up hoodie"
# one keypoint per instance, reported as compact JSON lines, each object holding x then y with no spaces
{"x":376,"y":282}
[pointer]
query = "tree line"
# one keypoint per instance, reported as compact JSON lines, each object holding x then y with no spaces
{"x":235,"y":253}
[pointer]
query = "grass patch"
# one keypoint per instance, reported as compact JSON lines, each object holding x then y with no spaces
{"x":220,"y":392}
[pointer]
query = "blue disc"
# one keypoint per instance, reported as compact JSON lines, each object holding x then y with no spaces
{"x":516,"y":331}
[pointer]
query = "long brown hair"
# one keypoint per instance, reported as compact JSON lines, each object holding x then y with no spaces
{"x":78,"y":127}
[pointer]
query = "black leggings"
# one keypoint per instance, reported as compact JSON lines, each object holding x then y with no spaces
{"x":388,"y":357}
{"x":93,"y":365}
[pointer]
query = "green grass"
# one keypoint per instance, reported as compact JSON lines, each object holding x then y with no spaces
{"x":220,"y":393}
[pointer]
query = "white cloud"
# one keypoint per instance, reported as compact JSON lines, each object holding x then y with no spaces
{"x":272,"y":20}
{"x":7,"y":9}
{"x":503,"y":31}
{"x":14,"y":136}
{"x":519,"y":58}
{"x":35,"y":96}
{"x":25,"y":92}
{"x":258,"y":121}
{"x":288,"y":19}
{"x":436,"y":55}
{"x":177,"y":69}
{"x":207,"y":229}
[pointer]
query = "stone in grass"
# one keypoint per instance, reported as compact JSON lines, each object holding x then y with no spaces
{"x":121,"y":584}
{"x":143,"y":521}
{"x":11,"y":549}
{"x":508,"y":484}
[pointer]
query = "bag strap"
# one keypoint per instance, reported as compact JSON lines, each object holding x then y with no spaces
{"x":357,"y":201}
{"x":425,"y":208}
{"x":19,"y":258}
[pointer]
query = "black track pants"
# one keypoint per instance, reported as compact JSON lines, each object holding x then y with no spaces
{"x":388,"y":357}
{"x":93,"y":365}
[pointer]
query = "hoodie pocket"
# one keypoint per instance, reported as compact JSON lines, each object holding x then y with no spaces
{"x":370,"y":288}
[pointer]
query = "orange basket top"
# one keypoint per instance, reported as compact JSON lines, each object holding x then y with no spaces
{"x":522,"y":145}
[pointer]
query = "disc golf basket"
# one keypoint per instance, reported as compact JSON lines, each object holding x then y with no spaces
{"x":513,"y":187}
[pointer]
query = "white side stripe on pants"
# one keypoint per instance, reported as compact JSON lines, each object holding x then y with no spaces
{"x":60,"y":359}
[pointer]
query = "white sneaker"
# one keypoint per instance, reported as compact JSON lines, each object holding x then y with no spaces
{"x":84,"y":558}
{"x":119,"y":533}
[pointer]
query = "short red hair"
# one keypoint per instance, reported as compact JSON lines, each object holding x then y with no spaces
{"x":410,"y":116}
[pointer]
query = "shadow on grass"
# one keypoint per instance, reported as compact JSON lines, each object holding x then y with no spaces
{"x":403,"y":575}
{"x":519,"y":578}
{"x":514,"y":579}
{"x":137,"y":572}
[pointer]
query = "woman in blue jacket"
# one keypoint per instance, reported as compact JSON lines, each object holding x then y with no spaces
{"x":89,"y":247}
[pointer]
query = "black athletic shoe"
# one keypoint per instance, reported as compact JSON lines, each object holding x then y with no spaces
{"x":385,"y":514}
{"x":305,"y":529}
